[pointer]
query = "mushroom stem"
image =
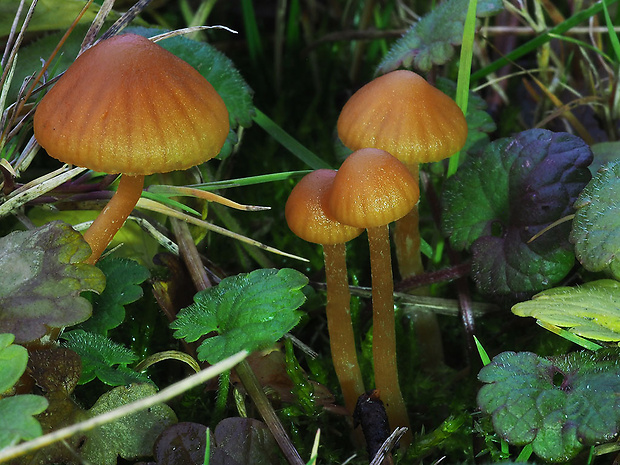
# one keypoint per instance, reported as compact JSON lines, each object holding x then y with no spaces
{"x":113,"y":215}
{"x":407,"y":237}
{"x":341,"y":336}
{"x":384,"y":331}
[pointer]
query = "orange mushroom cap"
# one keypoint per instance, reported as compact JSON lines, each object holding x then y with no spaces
{"x":305,"y":211}
{"x":372,"y":188}
{"x":404,"y":115}
{"x":129,"y":106}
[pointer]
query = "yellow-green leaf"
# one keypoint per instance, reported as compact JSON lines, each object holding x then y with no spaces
{"x":591,"y":310}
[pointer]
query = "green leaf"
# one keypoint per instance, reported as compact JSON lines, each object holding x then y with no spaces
{"x":43,"y":279}
{"x":13,"y":361}
{"x":48,"y":15}
{"x":248,"y":312}
{"x":591,"y":310}
{"x":123,"y":277}
{"x":503,"y":196}
{"x":16,"y":421}
{"x":217,"y":68}
{"x":102,"y":358}
{"x":432,"y":40}
{"x":596,"y":227}
{"x":557,"y":404}
{"x":131,"y":436}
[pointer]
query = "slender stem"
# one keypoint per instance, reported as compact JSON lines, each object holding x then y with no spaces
{"x":252,"y":386}
{"x":407,"y":243}
{"x":341,"y":336}
{"x":113,"y":215}
{"x":407,"y":238}
{"x":384,"y":331}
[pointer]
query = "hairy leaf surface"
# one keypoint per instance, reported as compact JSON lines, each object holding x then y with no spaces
{"x":596,"y":227}
{"x":558,"y":404}
{"x":432,"y":40}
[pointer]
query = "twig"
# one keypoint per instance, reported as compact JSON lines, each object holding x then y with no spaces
{"x":164,"y":395}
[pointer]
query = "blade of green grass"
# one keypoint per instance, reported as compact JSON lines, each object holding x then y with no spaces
{"x":462,"y":85}
{"x":541,"y":39}
{"x":288,"y":142}
{"x":249,"y":181}
{"x":255,"y":44}
{"x":613,"y":37}
{"x":483,"y":353}
{"x":585,"y":343}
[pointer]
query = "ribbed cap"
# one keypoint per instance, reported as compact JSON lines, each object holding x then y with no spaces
{"x":404,"y":115}
{"x":129,"y":106}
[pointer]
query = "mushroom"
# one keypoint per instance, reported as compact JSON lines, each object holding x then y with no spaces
{"x":129,"y":106}
{"x":404,"y":115}
{"x":306,"y":216}
{"x":372,"y":189}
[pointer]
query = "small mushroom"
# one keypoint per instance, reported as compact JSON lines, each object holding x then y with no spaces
{"x":306,"y":216}
{"x":404,"y":115}
{"x":372,"y":189}
{"x":129,"y":106}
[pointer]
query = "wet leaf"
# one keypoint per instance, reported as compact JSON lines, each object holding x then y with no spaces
{"x":596,"y":227}
{"x":558,"y":404}
{"x":248,"y":312}
{"x":13,"y":361}
{"x":433,"y":39}
{"x":591,"y":310}
{"x":131,"y":436}
{"x":184,"y":443}
{"x":102,"y":358}
{"x":42,"y":286}
{"x":48,"y":15}
{"x":123,"y":278}
{"x":16,"y":418}
{"x":500,"y":198}
{"x":243,"y":441}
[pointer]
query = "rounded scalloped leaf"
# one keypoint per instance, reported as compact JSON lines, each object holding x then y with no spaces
{"x":500,"y":198}
{"x":557,"y":404}
{"x":591,"y":310}
{"x":248,"y":311}
{"x":13,"y":361}
{"x":44,"y":278}
{"x":596,"y":227}
{"x":131,"y":436}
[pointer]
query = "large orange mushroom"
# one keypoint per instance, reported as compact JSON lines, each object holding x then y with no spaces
{"x":371,"y":190}
{"x":401,"y":113}
{"x":307,"y":217}
{"x":129,"y":106}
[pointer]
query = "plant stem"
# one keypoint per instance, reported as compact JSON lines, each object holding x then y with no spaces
{"x":113,"y":215}
{"x":252,"y":386}
{"x":384,"y":331}
{"x":341,"y":336}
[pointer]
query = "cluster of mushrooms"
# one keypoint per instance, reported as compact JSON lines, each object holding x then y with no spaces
{"x":128,"y":106}
{"x":393,"y":124}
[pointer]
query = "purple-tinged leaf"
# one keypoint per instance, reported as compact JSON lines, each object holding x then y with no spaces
{"x":42,"y":280}
{"x":502,"y":197}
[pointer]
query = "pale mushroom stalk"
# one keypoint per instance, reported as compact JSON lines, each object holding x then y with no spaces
{"x":407,"y":238}
{"x":113,"y":215}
